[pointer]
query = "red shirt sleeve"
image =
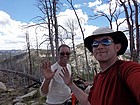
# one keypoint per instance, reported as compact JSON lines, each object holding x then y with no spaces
{"x":131,"y":75}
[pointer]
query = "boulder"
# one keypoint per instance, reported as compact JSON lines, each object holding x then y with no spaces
{"x":2,"y":87}
{"x":31,"y":94}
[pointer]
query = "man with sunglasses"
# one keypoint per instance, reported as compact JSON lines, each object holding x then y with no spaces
{"x":53,"y":86}
{"x":118,"y":82}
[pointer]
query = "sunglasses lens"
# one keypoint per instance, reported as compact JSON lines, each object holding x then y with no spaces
{"x":67,"y":53}
{"x":95,"y":43}
{"x":105,"y":42}
{"x":62,"y":53}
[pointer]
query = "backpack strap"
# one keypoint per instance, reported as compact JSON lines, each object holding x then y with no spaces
{"x":124,"y":84}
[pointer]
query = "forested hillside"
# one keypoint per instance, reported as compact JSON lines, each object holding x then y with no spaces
{"x":22,"y":75}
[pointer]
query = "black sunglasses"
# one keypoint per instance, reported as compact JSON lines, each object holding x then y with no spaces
{"x":105,"y":42}
{"x":67,"y":53}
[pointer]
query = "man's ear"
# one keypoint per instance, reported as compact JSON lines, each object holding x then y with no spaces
{"x":118,"y":47}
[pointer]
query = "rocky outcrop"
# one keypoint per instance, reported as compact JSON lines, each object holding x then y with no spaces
{"x":2,"y":87}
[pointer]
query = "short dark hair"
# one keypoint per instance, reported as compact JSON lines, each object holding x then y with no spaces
{"x":62,"y":45}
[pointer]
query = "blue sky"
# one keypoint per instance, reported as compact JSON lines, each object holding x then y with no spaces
{"x":16,"y":13}
{"x":26,"y":10}
{"x":20,"y":10}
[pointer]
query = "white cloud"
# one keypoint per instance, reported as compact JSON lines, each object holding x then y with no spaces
{"x":103,"y":8}
{"x":12,"y":33}
{"x":92,"y":4}
{"x":77,"y":5}
{"x":9,"y":32}
{"x":70,"y":15}
{"x":65,"y":5}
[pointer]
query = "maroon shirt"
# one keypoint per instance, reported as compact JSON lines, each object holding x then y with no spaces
{"x":108,"y":88}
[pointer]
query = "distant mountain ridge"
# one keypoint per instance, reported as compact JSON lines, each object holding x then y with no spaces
{"x":11,"y":51}
{"x":5,"y":54}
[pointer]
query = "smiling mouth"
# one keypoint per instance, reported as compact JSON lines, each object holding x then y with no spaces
{"x":101,"y":53}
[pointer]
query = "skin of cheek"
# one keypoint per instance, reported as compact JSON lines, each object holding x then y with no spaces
{"x":117,"y":47}
{"x":110,"y":53}
{"x":64,"y":59}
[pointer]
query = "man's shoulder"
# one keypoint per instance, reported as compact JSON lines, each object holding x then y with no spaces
{"x":129,"y":67}
{"x":129,"y":63}
{"x":55,"y":66}
{"x":68,"y":65}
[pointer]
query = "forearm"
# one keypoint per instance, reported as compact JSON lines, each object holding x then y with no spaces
{"x":45,"y":86}
{"x":80,"y":95}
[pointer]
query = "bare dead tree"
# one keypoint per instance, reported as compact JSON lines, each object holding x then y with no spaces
{"x":28,"y":76}
{"x":113,"y":15}
{"x":29,"y":52}
{"x":130,"y":27}
{"x":131,"y":17}
{"x":37,"y":45}
{"x":71,"y":25}
{"x":132,"y":22}
{"x":88,"y":68}
{"x":56,"y":26}
{"x":136,"y":5}
{"x":48,"y":8}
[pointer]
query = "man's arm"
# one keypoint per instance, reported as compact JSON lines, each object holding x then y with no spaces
{"x":48,"y":75}
{"x":80,"y":95}
{"x":44,"y":89}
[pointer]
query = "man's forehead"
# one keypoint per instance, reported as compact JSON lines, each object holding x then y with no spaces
{"x":102,"y":37}
{"x":64,"y":48}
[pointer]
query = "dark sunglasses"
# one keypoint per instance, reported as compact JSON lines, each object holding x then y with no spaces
{"x":62,"y":53}
{"x":105,"y":42}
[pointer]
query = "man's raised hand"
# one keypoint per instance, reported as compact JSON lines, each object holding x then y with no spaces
{"x":47,"y":72}
{"x":66,"y":76}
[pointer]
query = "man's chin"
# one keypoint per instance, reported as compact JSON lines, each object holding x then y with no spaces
{"x":101,"y":60}
{"x":65,"y":60}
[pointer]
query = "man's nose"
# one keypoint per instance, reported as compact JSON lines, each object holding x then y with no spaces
{"x":100,"y":45}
